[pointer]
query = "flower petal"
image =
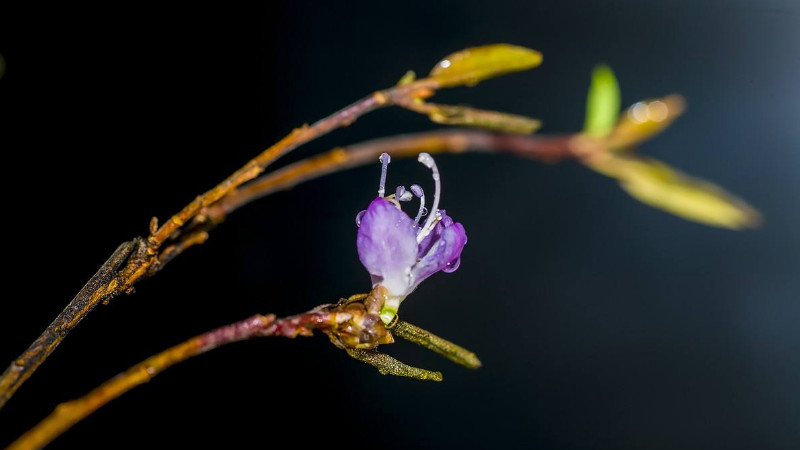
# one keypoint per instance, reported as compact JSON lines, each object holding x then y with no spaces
{"x":387,"y":245}
{"x":428,"y":241}
{"x":443,"y":251}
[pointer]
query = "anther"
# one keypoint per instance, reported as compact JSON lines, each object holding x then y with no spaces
{"x":401,"y":194}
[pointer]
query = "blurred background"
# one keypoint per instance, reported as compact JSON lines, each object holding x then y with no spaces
{"x":601,"y":322}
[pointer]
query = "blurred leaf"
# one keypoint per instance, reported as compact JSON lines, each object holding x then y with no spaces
{"x":645,"y":119}
{"x":408,"y":78}
{"x":659,"y":185}
{"x":475,"y":64}
{"x":493,"y":120}
{"x":602,"y":104}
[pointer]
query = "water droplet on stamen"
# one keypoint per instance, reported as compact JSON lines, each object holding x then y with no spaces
{"x":426,"y":159}
{"x":424,"y":211}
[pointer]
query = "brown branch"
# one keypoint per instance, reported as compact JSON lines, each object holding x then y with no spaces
{"x":146,"y":258}
{"x":68,"y":414}
{"x":543,"y":148}
{"x":352,"y":324}
{"x":99,"y":288}
{"x":141,"y":263}
{"x":394,"y":96}
{"x":548,"y":149}
{"x":103,"y":288}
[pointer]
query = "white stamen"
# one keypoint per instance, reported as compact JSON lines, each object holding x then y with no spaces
{"x":417,"y":190}
{"x":434,"y":217}
{"x":385,"y":159}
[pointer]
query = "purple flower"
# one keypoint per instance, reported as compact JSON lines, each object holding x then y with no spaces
{"x":398,"y":251}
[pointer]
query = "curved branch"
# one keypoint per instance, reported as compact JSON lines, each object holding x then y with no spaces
{"x":68,"y":414}
{"x":108,"y":283}
{"x":147,"y":258}
{"x":341,"y":322}
{"x":548,"y":149}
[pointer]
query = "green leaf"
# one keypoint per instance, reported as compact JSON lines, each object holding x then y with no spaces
{"x":408,"y":78}
{"x":493,"y":120}
{"x":659,"y":185}
{"x":602,"y":104}
{"x":475,"y":64}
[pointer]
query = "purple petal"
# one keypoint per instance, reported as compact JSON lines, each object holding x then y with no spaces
{"x":427,"y":242}
{"x":387,"y":245}
{"x":443,"y":251}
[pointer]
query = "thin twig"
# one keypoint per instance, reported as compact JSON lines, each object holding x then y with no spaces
{"x":352,"y":325}
{"x":98,"y":289}
{"x":543,"y":148}
{"x":68,"y":414}
{"x":548,"y":149}
{"x":146,"y":258}
{"x":298,"y":137}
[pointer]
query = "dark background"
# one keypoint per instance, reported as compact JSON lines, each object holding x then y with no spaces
{"x":601,"y":323}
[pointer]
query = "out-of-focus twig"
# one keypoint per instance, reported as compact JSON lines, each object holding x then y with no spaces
{"x":543,"y":148}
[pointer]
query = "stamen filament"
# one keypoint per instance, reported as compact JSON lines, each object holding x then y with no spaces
{"x":427,"y":160}
{"x":417,"y":190}
{"x":385,"y":159}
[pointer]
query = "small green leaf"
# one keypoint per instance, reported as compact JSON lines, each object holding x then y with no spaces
{"x":602,"y":104}
{"x":475,"y":64}
{"x":408,"y":78}
{"x":659,"y":185}
{"x":493,"y":120}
